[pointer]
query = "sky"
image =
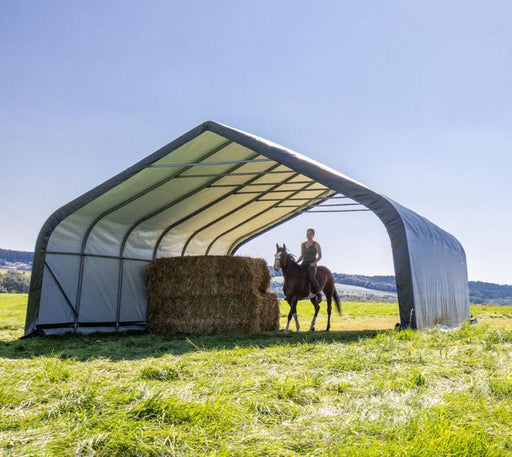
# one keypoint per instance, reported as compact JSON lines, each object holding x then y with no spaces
{"x":411,"y":98}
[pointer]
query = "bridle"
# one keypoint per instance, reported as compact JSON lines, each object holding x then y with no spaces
{"x":280,"y":259}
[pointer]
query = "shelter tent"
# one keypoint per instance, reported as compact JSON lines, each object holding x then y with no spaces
{"x":207,"y":193}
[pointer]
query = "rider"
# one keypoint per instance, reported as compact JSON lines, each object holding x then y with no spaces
{"x":310,"y":254}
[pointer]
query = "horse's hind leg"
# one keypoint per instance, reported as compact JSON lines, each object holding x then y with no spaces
{"x":316,"y":304}
{"x":329,"y":309}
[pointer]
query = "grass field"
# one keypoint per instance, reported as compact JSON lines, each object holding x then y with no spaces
{"x":361,"y":390}
{"x":5,"y":270}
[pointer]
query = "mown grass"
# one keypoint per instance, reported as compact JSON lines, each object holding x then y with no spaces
{"x":362,"y":389}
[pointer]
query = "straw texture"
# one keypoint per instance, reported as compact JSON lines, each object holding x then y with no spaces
{"x":210,"y":294}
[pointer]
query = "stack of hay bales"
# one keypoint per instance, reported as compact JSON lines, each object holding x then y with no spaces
{"x":210,"y":294}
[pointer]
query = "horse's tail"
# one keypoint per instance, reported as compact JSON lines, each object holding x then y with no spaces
{"x":337,"y":301}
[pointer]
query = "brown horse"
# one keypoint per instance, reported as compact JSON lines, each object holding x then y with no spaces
{"x":297,"y":287}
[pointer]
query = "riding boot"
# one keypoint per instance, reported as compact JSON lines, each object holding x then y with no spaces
{"x":315,"y":287}
{"x":317,"y":292}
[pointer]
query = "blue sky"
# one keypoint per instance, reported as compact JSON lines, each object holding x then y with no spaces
{"x":412,"y":98}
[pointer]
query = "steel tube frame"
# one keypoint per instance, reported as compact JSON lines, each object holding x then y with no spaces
{"x":255,"y":233}
{"x":323,"y":206}
{"x":101,"y":256}
{"x":336,"y":210}
{"x":61,"y":289}
{"x":223,"y":175}
{"x":276,"y":205}
{"x":195,"y":213}
{"x":196,"y":164}
{"x":266,"y":184}
{"x":229,"y":213}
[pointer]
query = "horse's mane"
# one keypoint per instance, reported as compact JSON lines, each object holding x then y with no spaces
{"x":292,"y":258}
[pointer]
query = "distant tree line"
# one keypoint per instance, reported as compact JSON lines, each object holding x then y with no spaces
{"x":14,"y":282}
{"x":15,"y":256}
{"x":489,"y":293}
{"x":386,"y":283}
{"x":479,"y":292}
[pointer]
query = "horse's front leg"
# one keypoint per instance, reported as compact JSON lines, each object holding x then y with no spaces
{"x":297,"y":326}
{"x":293,"y":313}
{"x":316,"y":304}
{"x":290,"y":314}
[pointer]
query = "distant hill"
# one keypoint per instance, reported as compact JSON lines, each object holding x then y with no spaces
{"x":479,"y":292}
{"x":16,"y":260}
{"x":489,"y":293}
{"x":15,"y":271}
{"x":16,"y":256}
{"x":386,"y":283}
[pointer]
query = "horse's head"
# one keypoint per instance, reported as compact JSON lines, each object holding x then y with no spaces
{"x":280,"y":257}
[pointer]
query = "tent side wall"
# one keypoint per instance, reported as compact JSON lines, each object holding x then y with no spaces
{"x":438,"y":272}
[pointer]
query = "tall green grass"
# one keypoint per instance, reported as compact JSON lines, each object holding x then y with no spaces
{"x":369,"y":392}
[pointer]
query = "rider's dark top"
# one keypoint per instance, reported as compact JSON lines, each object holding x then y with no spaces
{"x":308,"y":253}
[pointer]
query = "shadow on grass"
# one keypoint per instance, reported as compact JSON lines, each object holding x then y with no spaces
{"x":132,"y":346}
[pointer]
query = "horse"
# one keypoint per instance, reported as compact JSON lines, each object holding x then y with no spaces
{"x":297,"y":287}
